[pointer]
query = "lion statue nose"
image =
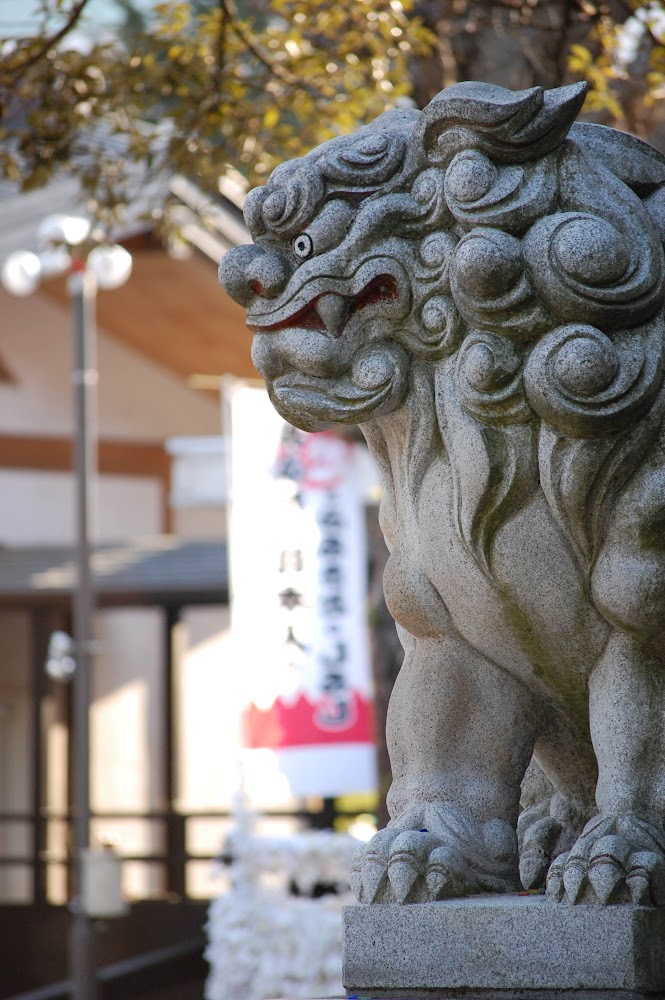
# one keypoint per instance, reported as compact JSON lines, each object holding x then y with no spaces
{"x":247,"y":271}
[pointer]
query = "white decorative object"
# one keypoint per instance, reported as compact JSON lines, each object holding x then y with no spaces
{"x":61,"y":228}
{"x":111,"y":265}
{"x":265,"y":942}
{"x":101,"y":883}
{"x":21,"y":272}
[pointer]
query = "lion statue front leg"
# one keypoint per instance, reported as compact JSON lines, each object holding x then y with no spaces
{"x":456,"y":779}
{"x":620,"y":855}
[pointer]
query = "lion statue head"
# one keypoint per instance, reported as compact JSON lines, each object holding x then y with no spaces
{"x":488,"y":245}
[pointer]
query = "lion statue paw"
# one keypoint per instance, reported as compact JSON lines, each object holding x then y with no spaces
{"x":435,"y":853}
{"x":546,"y":830}
{"x":618,"y":859}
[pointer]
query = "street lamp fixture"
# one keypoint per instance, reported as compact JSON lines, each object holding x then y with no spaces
{"x":66,"y":245}
{"x":22,"y":271}
{"x":69,"y":229}
{"x":60,"y":660}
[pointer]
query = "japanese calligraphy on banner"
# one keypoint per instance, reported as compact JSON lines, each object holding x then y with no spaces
{"x":298,"y":558}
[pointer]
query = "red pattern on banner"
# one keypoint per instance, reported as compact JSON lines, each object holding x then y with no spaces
{"x":298,"y":724}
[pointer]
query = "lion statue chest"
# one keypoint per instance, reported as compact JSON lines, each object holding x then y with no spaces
{"x":533,"y":615}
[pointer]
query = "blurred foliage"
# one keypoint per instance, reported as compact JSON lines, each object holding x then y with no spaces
{"x":512,"y":43}
{"x":196,"y":87}
{"x":200,"y":86}
{"x":617,"y":45}
{"x":624,"y":63}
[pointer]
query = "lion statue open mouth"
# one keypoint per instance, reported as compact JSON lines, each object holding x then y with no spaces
{"x":480,"y":287}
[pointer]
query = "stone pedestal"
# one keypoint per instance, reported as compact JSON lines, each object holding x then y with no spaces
{"x":517,"y":947}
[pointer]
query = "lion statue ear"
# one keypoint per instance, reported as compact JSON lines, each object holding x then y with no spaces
{"x":510,"y":126}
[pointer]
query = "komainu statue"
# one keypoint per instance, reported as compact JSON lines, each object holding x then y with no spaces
{"x":480,"y":286}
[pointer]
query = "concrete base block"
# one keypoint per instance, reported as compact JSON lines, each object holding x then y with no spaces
{"x":512,"y":947}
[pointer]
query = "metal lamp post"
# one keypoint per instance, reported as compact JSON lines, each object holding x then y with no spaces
{"x":61,"y":238}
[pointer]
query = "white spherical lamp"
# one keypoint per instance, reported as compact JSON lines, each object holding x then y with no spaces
{"x":111,"y":265}
{"x":21,"y":272}
{"x":60,"y":228}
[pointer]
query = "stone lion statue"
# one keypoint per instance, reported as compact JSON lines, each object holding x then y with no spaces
{"x":480,"y":287}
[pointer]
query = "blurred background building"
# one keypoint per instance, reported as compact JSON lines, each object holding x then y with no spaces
{"x":164,"y":724}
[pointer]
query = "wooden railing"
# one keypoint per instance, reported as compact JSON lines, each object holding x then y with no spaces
{"x":173,"y":859}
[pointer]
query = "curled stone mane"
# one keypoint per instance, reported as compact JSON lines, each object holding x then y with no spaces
{"x":557,"y":274}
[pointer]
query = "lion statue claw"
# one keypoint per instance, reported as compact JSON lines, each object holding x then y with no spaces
{"x":480,"y":286}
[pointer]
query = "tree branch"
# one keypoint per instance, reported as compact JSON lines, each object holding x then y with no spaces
{"x":74,"y":16}
{"x":566,"y":23}
{"x":272,"y":67}
{"x":221,"y":44}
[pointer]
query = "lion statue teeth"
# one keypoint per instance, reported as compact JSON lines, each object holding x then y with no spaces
{"x":480,"y":287}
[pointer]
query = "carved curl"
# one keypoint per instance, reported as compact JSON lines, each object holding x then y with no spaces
{"x":489,"y":380}
{"x":369,"y":160}
{"x":436,"y":328}
{"x":491,"y":288}
{"x":585,"y":385}
{"x":439,"y":332}
{"x":507,"y":197}
{"x":287,"y":209}
{"x":511,"y":127}
{"x":585,"y":268}
{"x":428,"y":192}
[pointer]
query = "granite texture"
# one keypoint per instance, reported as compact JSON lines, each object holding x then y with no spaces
{"x":510,"y":994}
{"x":506,"y":943}
{"x":480,"y":287}
{"x":473,"y":994}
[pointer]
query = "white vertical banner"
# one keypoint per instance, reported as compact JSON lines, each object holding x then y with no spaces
{"x":298,"y":567}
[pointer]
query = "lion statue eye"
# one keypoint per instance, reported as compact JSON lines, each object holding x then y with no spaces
{"x":303,"y":246}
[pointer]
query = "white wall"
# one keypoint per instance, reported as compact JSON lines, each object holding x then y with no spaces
{"x":38,"y":508}
{"x":207,"y":711}
{"x":208,"y":729}
{"x":137,"y":398}
{"x":200,"y":522}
